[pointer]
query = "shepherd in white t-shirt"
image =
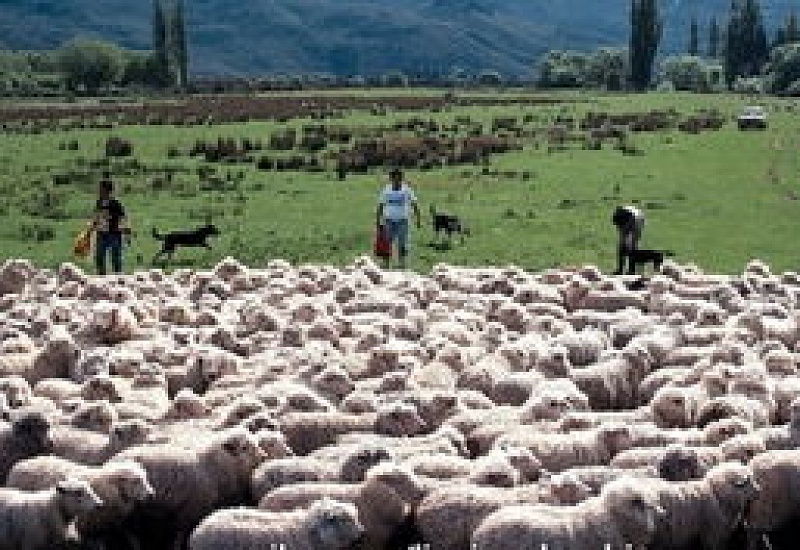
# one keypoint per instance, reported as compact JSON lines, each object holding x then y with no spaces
{"x":394,"y":205}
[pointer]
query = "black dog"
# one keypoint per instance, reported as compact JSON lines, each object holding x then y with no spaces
{"x":642,"y":257}
{"x":172,"y":241}
{"x":447,"y":223}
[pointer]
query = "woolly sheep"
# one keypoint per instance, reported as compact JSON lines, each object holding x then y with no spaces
{"x":40,"y":520}
{"x":381,"y":511}
{"x":558,"y":452}
{"x":120,"y":486}
{"x":326,"y":525}
{"x":777,"y":473}
{"x":189,"y":484}
{"x":287,"y":471}
{"x":448,"y":516}
{"x":620,"y":516}
{"x":703,"y":512}
{"x":26,"y":436}
{"x":306,"y":432}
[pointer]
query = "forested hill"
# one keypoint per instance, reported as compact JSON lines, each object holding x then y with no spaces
{"x":361,"y":36}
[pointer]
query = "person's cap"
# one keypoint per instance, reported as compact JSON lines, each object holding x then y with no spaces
{"x":395,"y":172}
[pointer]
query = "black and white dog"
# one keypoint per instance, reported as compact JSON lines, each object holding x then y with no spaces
{"x":642,"y":257}
{"x":447,"y":223}
{"x":170,"y":242}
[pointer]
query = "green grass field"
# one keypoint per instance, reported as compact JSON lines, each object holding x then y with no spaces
{"x":717,"y":199}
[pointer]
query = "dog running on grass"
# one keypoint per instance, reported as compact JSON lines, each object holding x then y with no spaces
{"x":642,"y":257}
{"x":170,"y":242}
{"x":447,"y":223}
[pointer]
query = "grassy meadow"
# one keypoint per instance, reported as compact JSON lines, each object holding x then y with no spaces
{"x":717,"y":198}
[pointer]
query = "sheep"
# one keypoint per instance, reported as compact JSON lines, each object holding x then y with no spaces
{"x":620,"y":516}
{"x":326,"y":525}
{"x":92,"y":448}
{"x":783,"y":437}
{"x":189,"y":484}
{"x":674,"y":462}
{"x":614,"y":384}
{"x":558,"y":452}
{"x":120,"y":486}
{"x":306,"y":432}
{"x":40,"y":520}
{"x":703,"y":513}
{"x":736,"y":406}
{"x":96,"y":416}
{"x":56,"y":359}
{"x":447,"y":516}
{"x":777,"y":473}
{"x":26,"y":436}
{"x":676,"y":407}
{"x":287,"y":471}
{"x":381,"y":511}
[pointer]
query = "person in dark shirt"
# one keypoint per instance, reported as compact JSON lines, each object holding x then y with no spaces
{"x":629,"y":222}
{"x":109,"y":226}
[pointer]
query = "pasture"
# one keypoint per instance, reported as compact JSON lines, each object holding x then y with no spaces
{"x":717,"y":197}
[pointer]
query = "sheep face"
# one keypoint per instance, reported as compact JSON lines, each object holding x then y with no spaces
{"x":679,"y":464}
{"x":273,"y":443}
{"x":615,"y":438}
{"x":399,"y":420}
{"x":673,"y":408}
{"x":17,"y":391}
{"x":97,"y":416}
{"x":128,"y":433}
{"x":100,"y":388}
{"x":721,"y":430}
{"x":131,"y":482}
{"x":242,"y":448}
{"x":33,"y":429}
{"x":76,"y":497}
{"x":355,"y":467}
{"x":566,"y":490}
{"x":733,"y":485}
{"x":334,"y":524}
{"x":635,"y":512}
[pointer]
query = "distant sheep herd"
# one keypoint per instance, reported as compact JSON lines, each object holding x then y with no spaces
{"x":330,"y":408}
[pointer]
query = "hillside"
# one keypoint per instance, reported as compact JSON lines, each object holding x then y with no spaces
{"x":358,"y":36}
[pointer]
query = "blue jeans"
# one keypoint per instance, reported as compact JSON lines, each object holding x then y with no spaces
{"x":397,"y":231}
{"x":108,"y":242}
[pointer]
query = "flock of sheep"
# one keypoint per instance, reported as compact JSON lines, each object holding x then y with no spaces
{"x":322,"y":408}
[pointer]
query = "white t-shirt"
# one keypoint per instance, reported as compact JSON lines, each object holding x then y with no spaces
{"x":396,"y":203}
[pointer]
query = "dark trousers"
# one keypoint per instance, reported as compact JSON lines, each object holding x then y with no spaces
{"x":108,"y":243}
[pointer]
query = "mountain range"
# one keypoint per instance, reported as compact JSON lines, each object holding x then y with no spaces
{"x":249,"y":37}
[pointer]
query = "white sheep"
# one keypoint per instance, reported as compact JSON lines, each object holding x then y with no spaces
{"x":326,"y":525}
{"x":189,"y":484}
{"x":620,"y":516}
{"x":120,"y":486}
{"x":40,"y":520}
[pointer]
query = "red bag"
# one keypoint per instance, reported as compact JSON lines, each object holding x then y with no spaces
{"x":382,"y":246}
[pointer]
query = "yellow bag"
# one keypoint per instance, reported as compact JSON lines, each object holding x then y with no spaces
{"x":83,"y":243}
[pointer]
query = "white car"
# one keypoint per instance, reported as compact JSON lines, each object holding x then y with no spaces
{"x":752,"y":117}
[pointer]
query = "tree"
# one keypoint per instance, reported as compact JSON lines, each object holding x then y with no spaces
{"x":607,"y":68}
{"x":646,"y":27}
{"x":90,"y":64}
{"x":687,"y":73}
{"x":783,"y":69}
{"x":746,"y":48}
{"x":713,"y":38}
{"x":792,"y":29}
{"x":162,"y":73}
{"x":694,"y":45}
{"x":180,"y":47}
{"x":563,"y":69}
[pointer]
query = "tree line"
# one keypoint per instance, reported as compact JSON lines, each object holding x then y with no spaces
{"x":739,"y":55}
{"x":87,"y":65}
